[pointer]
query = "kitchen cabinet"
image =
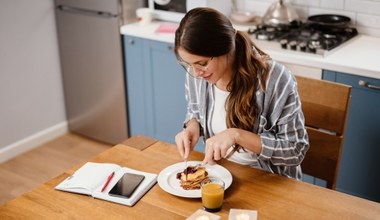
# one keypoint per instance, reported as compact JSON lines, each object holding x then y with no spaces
{"x":155,"y":88}
{"x":359,"y":174}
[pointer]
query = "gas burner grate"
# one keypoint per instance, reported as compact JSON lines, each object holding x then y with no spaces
{"x":304,"y":37}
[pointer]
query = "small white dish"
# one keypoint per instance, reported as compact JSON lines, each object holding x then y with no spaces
{"x":242,"y":16}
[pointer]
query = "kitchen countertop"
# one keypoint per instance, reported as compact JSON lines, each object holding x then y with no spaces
{"x":358,"y":56}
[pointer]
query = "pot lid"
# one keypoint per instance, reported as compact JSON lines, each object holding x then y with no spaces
{"x":280,"y":13}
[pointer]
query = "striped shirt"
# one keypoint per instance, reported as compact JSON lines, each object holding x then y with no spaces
{"x":279,"y":121}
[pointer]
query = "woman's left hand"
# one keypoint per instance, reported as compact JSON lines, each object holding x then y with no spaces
{"x":218,"y":145}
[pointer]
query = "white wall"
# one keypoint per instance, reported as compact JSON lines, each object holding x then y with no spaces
{"x":365,"y":14}
{"x":31,"y":95}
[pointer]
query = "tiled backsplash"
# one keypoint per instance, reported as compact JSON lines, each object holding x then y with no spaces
{"x":365,"y":14}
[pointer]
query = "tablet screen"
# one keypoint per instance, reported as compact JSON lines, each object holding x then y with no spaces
{"x":126,"y":185}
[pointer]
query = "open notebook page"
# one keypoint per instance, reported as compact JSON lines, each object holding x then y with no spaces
{"x":89,"y":177}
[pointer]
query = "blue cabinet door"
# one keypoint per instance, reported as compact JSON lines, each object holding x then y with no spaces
{"x":135,"y":85}
{"x":155,"y":89}
{"x":168,"y":104}
{"x":359,"y":169}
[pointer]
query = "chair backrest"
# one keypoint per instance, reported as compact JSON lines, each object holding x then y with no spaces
{"x":325,"y":106}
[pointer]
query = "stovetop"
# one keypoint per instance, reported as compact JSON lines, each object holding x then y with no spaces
{"x":304,"y":37}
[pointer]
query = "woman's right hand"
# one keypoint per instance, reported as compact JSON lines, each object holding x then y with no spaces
{"x":187,"y":138}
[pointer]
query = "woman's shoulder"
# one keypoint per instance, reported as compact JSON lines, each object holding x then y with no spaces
{"x":278,"y":69}
{"x":279,"y":76}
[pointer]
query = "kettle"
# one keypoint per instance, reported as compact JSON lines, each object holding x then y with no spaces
{"x":280,"y":13}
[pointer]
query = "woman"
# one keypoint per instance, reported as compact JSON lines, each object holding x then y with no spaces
{"x":245,"y":105}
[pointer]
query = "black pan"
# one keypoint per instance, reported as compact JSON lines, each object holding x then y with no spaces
{"x":328,"y":21}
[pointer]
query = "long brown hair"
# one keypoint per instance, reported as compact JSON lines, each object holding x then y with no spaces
{"x":207,"y":32}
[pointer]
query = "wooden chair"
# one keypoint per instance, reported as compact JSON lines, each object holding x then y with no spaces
{"x":325,"y":106}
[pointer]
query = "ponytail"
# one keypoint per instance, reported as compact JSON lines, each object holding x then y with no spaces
{"x":250,"y":67}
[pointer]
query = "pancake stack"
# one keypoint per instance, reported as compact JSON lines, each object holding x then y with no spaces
{"x":195,"y":175}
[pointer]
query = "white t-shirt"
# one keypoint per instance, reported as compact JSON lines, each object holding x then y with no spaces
{"x":218,"y":124}
{"x":218,"y":121}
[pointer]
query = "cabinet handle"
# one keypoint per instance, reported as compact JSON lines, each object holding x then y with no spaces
{"x":171,"y":48}
{"x":83,"y":11}
{"x":131,"y":41}
{"x":368,"y":85}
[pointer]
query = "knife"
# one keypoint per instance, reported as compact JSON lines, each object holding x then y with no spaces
{"x":186,"y":169}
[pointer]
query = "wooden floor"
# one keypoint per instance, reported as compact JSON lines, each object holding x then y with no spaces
{"x":27,"y":171}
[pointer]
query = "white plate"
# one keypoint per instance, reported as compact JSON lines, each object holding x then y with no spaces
{"x":167,"y":178}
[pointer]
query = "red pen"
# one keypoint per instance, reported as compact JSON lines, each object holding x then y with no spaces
{"x":108,"y":181}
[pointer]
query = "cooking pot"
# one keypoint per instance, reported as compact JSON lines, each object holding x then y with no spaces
{"x":329,"y":21}
{"x":280,"y":13}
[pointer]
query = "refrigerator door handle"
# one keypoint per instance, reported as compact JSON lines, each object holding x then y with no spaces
{"x":83,"y":11}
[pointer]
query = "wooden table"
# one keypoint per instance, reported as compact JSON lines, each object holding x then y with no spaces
{"x":273,"y":196}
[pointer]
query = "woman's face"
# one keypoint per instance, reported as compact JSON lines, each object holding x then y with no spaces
{"x":218,"y":69}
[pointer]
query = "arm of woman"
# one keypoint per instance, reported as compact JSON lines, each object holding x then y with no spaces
{"x":187,"y":138}
{"x":285,"y":143}
{"x":218,"y":145}
{"x":282,"y":129}
{"x":281,"y":137}
{"x":289,"y":144}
